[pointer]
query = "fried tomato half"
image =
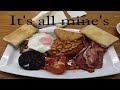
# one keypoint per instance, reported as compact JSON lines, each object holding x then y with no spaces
{"x":56,"y":64}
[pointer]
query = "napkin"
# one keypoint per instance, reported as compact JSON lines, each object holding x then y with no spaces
{"x":58,"y":16}
{"x":74,"y":14}
{"x":41,"y":15}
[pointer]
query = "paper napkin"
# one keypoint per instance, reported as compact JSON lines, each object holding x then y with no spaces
{"x":74,"y":14}
{"x":58,"y":16}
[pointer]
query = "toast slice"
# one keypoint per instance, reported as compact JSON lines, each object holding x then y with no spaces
{"x":98,"y":35}
{"x":20,"y":34}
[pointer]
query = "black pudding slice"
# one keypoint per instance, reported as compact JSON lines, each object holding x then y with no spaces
{"x":31,"y":60}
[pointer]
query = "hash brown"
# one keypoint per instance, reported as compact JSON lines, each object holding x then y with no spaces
{"x":66,"y":35}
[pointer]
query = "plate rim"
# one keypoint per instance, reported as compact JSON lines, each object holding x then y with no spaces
{"x":5,"y":58}
{"x":4,"y":69}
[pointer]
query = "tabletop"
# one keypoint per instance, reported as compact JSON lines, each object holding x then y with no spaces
{"x":107,"y":20}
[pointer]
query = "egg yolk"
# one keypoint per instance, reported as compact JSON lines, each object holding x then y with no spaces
{"x":46,"y":40}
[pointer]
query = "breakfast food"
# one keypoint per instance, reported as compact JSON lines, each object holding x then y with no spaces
{"x":31,"y":60}
{"x":19,"y":35}
{"x":91,"y":57}
{"x":68,"y":48}
{"x":66,"y":35}
{"x":56,"y":64}
{"x":23,"y":47}
{"x":40,"y":42}
{"x":98,"y":35}
{"x":66,"y":51}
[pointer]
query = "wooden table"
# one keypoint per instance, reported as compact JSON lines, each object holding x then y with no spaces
{"x":6,"y":28}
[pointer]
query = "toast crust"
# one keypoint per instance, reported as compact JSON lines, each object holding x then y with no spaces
{"x":98,"y":35}
{"x":20,"y":34}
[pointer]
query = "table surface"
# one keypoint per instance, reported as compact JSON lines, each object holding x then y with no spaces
{"x":6,"y":28}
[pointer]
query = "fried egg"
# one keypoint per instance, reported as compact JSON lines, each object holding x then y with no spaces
{"x":40,"y":42}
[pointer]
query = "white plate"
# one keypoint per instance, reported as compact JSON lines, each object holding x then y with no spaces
{"x":9,"y":64}
{"x":118,"y":28}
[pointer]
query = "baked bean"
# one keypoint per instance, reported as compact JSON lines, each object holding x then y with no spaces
{"x":53,"y":48}
{"x":64,"y":47}
{"x":59,"y":46}
{"x":67,"y":42}
{"x":68,"y":45}
{"x":63,"y":50}
{"x":70,"y":48}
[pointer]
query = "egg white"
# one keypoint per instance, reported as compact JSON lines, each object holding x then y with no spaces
{"x":35,"y":44}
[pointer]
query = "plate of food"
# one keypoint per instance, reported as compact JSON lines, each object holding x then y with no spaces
{"x":60,"y":53}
